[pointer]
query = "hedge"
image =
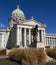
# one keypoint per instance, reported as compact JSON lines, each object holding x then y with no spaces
{"x":28,"y":56}
{"x":51,"y":52}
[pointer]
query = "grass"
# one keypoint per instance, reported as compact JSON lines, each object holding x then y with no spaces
{"x":53,"y":62}
{"x":51,"y":52}
{"x":2,"y":52}
{"x":50,"y":63}
{"x":28,"y":56}
{"x":8,"y":62}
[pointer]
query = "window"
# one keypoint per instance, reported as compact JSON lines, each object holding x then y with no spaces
{"x":0,"y":37}
{"x":4,"y":40}
{"x":4,"y":44}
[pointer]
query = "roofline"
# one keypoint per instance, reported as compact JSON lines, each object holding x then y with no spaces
{"x":29,"y":25}
{"x":50,"y":34}
{"x":43,"y":25}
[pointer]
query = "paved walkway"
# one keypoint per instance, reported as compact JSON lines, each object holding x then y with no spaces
{"x":1,"y":57}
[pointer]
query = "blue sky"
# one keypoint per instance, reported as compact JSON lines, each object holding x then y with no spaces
{"x":43,"y":11}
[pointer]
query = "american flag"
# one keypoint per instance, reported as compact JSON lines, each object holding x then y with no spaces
{"x":15,"y":22}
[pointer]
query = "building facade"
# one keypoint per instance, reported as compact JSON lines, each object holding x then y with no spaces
{"x":3,"y":37}
{"x":50,"y":41}
{"x":19,"y":32}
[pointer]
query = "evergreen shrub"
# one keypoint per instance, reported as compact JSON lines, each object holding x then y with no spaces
{"x":2,"y":52}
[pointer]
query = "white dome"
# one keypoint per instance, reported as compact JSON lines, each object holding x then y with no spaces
{"x":17,"y":12}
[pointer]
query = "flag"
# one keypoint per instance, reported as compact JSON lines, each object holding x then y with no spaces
{"x":15,"y":22}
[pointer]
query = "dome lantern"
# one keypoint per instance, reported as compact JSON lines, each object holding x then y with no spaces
{"x":17,"y":6}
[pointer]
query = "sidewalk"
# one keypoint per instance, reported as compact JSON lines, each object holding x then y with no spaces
{"x":5,"y":56}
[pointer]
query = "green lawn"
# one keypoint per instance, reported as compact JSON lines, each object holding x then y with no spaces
{"x":7,"y":62}
{"x":51,"y":63}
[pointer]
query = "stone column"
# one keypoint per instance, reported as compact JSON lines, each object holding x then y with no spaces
{"x":24,"y":37}
{"x":11,"y":23}
{"x":54,"y":42}
{"x":18,"y":36}
{"x":29,"y":36}
{"x":42,"y":35}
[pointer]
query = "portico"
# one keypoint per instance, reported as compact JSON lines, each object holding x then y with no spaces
{"x":25,"y":37}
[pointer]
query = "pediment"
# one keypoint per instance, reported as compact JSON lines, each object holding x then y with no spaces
{"x":33,"y":22}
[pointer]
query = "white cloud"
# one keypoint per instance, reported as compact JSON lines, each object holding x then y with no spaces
{"x":2,"y":25}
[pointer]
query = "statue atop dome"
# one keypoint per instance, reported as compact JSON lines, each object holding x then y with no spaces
{"x":17,"y":6}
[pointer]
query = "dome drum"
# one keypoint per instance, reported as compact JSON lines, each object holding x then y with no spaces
{"x":17,"y":12}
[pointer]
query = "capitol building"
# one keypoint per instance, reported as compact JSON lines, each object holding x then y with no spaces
{"x":19,"y":32}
